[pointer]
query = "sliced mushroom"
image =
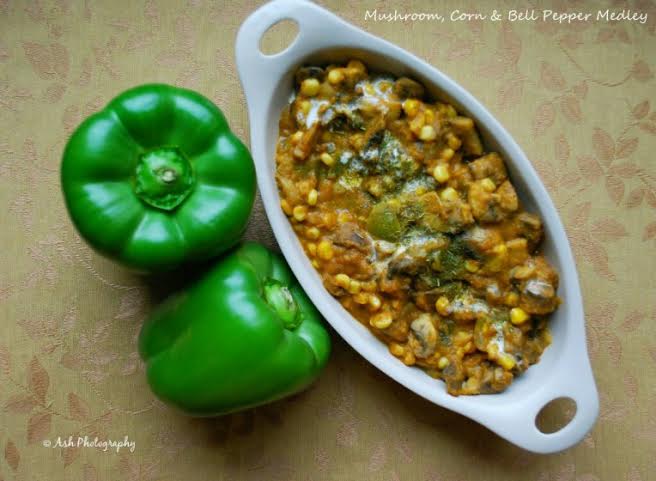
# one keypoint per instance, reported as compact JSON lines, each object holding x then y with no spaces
{"x":307,"y":142}
{"x":408,"y":88}
{"x":425,"y":336}
{"x":471,"y":143}
{"x":351,"y":235}
{"x":508,"y":197}
{"x":481,"y":239}
{"x":538,"y":292}
{"x":309,"y":72}
{"x":530,"y":227}
{"x":490,"y":165}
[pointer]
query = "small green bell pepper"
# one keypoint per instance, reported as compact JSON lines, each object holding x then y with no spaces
{"x":246,"y":334}
{"x":157,"y":179}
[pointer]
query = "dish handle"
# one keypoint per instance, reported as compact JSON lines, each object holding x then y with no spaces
{"x":518,"y":423}
{"x":255,"y":68}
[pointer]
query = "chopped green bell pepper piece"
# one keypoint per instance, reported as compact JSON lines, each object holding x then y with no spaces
{"x":384,"y":223}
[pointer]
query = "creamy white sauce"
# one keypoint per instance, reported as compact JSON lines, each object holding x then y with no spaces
{"x":345,"y":157}
{"x":312,"y":116}
{"x":499,"y":341}
{"x":378,"y":97}
{"x":479,"y":306}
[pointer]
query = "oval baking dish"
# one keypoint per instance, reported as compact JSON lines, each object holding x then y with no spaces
{"x":564,"y":369}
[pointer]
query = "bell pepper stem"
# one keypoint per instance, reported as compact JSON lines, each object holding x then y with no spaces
{"x":163,"y":178}
{"x":283,"y":303}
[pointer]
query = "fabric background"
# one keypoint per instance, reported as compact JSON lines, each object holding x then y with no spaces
{"x":580,"y":99}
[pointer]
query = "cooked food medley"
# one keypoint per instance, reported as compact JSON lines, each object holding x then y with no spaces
{"x":414,"y":227}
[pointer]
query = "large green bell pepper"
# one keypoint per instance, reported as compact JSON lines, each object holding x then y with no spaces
{"x":244,"y":335}
{"x":157,"y":179}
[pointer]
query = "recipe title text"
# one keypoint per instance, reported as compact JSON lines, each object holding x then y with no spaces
{"x":528,"y":15}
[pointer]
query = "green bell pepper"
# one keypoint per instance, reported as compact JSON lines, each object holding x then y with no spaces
{"x":246,"y":334}
{"x":157,"y":179}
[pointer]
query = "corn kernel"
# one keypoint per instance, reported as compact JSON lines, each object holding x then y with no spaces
{"x":375,"y":188}
{"x":325,"y":250}
{"x":471,"y":385}
{"x":329,"y":219}
{"x":381,"y":321}
{"x":506,"y":361}
{"x":488,"y":184}
{"x":287,"y":209}
{"x":396,"y":349}
{"x":343,"y":217}
{"x":443,"y":362}
{"x":441,"y":173}
{"x":409,"y":358}
{"x":385,"y":86}
{"x":462,"y":123}
{"x":472,"y":265}
{"x":296,"y":137}
{"x":369,"y":286}
{"x":447,"y":154}
{"x":430,"y":116}
{"x":462,"y":337}
{"x":500,"y":249}
{"x":312,"y":197}
{"x":417,"y":123}
{"x":335,"y":76}
{"x":312,"y":248}
{"x":453,"y":141}
{"x":523,"y":272}
{"x":315,"y":263}
{"x":442,"y":305}
{"x":313,"y":233}
{"x":305,"y":106}
{"x":299,"y":212}
{"x":342,"y":280}
{"x":361,"y":298}
{"x":374,"y":302}
{"x":518,"y":315}
{"x":427,"y":133}
{"x":354,"y":287}
{"x":310,"y":87}
{"x":356,"y":65}
{"x":411,"y":107}
{"x":327,"y":159}
{"x":512,"y":299}
{"x":449,"y":195}
{"x":518,"y":243}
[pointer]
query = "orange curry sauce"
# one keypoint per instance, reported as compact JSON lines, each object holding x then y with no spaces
{"x":414,"y":227}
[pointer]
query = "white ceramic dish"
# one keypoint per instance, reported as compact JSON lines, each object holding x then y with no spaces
{"x":564,"y":370}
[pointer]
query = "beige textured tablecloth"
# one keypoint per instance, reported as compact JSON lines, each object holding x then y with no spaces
{"x":579,"y":98}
